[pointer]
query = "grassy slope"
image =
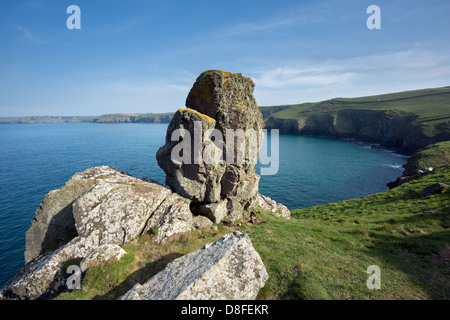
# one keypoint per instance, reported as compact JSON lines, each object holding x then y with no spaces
{"x":322,"y":252}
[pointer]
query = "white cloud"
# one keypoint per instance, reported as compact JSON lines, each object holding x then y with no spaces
{"x":120,"y":27}
{"x":351,"y":77}
{"x":27,"y":35}
{"x":299,"y":15}
{"x":286,"y":77}
{"x":140,"y":88}
{"x":271,"y":24}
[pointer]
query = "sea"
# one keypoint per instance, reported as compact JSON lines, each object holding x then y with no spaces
{"x":37,"y":158}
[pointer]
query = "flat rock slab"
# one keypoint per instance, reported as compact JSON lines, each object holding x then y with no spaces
{"x":228,"y":269}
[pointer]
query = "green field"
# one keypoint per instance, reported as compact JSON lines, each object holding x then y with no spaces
{"x":426,"y":103}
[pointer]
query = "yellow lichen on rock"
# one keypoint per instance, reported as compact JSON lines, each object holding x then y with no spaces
{"x":210,"y":120}
{"x":226,"y":75}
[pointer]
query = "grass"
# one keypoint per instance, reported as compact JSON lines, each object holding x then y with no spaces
{"x":323,"y":252}
{"x":428,"y":104}
{"x":287,"y":112}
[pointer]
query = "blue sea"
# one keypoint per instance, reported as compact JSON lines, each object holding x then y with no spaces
{"x":37,"y":158}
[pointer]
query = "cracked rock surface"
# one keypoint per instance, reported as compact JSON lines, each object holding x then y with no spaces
{"x":221,"y":101}
{"x":228,"y":269}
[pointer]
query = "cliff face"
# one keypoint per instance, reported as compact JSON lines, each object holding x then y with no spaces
{"x":391,"y":129}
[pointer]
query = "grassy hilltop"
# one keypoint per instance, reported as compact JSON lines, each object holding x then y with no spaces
{"x":434,"y":155}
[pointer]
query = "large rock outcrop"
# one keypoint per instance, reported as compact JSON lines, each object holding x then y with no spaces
{"x":229,"y":269}
{"x":223,"y":102}
{"x":114,"y":208}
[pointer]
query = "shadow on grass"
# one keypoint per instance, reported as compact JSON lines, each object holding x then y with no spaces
{"x":140,"y":276}
{"x":423,"y":258}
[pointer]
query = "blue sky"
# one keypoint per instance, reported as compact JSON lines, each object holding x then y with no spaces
{"x":139,"y":56}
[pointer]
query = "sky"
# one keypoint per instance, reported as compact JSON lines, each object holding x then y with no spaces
{"x":139,"y":56}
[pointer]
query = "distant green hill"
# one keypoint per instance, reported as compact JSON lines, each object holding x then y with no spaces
{"x":106,"y":118}
{"x":45,"y":119}
{"x":406,"y":121}
{"x":135,"y":118}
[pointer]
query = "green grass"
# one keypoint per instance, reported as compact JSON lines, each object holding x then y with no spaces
{"x":427,"y":108}
{"x":323,"y":252}
{"x":400,"y":95}
{"x":293,"y":110}
{"x":426,"y":103}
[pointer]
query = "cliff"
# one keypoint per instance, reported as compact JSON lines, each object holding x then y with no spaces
{"x":423,"y":162}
